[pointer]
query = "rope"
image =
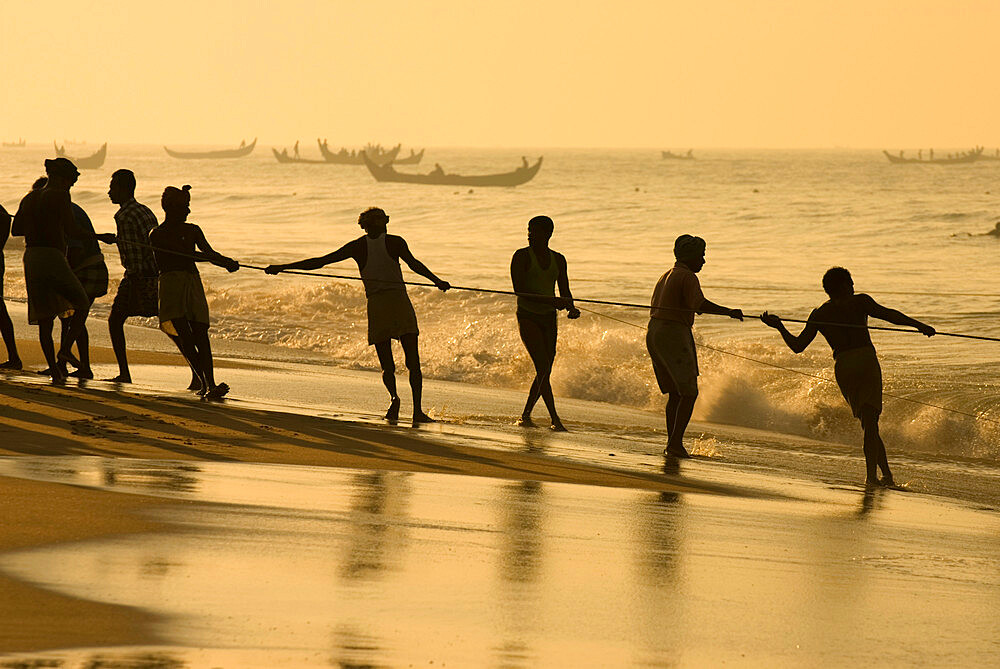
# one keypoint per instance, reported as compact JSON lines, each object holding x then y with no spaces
{"x":813,"y":376}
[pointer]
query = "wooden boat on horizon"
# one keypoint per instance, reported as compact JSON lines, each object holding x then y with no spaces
{"x":283,"y":157}
{"x":91,"y":162}
{"x":213,"y":155}
{"x":670,"y":155}
{"x":412,"y":159}
{"x":15,"y":145}
{"x":969,"y":157}
{"x":345,"y":157}
{"x":387,"y":173}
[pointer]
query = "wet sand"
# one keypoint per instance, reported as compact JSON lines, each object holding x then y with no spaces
{"x":144,"y":527}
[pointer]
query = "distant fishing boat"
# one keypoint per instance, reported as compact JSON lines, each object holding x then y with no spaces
{"x":214,"y":155}
{"x":970,"y":157}
{"x":91,"y":162}
{"x":670,"y":155}
{"x":20,"y":144}
{"x":412,"y":159}
{"x":345,"y":157}
{"x":283,"y":157}
{"x":519,"y":176}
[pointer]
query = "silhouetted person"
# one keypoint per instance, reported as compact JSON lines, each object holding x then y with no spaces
{"x":178,"y":245}
{"x":83,"y":253}
{"x":45,"y":219}
{"x":390,"y":313}
{"x":296,"y":148}
{"x":6,"y":325}
{"x":243,"y":143}
{"x":932,"y":154}
{"x":856,"y":366}
{"x":137,"y":292}
{"x":536,"y":269}
{"x":677,"y":297}
{"x":524,"y":162}
{"x":438,"y":170}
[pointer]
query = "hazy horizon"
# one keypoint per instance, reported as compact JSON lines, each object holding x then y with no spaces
{"x":714,"y":74}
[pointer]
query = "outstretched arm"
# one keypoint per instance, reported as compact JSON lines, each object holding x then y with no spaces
{"x":796,"y":343}
{"x":343,"y":253}
{"x":708,"y":307}
{"x":419,"y":267}
{"x":563,"y":282}
{"x":207,"y":254}
{"x":896,"y":317}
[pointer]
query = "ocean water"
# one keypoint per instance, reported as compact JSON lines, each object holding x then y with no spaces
{"x":774,"y":222}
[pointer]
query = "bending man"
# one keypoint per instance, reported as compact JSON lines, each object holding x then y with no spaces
{"x":536,"y":269}
{"x":855,"y":364}
{"x":390,"y":313}
{"x":677,"y":297}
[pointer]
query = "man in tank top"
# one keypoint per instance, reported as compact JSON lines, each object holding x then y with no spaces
{"x":855,"y":366}
{"x":534,"y":271}
{"x":677,"y":297}
{"x":390,"y":313}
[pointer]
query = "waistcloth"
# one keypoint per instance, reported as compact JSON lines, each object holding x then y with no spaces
{"x":53,"y":289}
{"x":546,"y":323}
{"x":137,"y":296}
{"x":93,"y":276}
{"x":675,"y":359}
{"x":860,"y":378}
{"x":390,"y":316}
{"x":181,"y":296}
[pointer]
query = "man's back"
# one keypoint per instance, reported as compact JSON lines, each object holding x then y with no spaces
{"x":42,"y":218}
{"x":852,"y":311}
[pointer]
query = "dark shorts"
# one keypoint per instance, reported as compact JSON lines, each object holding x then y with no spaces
{"x":137,"y":296}
{"x":546,"y":323}
{"x":860,"y":379}
{"x":675,"y":358}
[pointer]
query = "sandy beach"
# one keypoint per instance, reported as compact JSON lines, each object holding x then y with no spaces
{"x":146,"y":526}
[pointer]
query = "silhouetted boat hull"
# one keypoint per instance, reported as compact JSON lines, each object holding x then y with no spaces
{"x":967,"y":158}
{"x":670,"y":155}
{"x":515,"y":178}
{"x":20,"y":145}
{"x":344,"y":158}
{"x":91,"y":162}
{"x":285,"y":158}
{"x":213,"y":155}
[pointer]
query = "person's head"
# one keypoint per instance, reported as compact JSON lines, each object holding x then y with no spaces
{"x":837,"y":282}
{"x":690,"y":250}
{"x":176,"y":202}
{"x":62,"y":172}
{"x":122,"y":188}
{"x":39,"y":183}
{"x":540,"y":230}
{"x":373,"y":220}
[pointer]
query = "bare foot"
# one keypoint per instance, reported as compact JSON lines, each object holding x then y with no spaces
{"x":421,"y":417}
{"x":121,"y":378}
{"x":218,"y":392}
{"x":82,"y":374}
{"x":557,"y":426}
{"x":45,"y":372}
{"x":392,"y":414}
{"x":58,"y":376}
{"x":676,"y":452}
{"x":13,"y":363}
{"x":887,"y":481}
{"x":195,"y":383}
{"x":525,"y":421}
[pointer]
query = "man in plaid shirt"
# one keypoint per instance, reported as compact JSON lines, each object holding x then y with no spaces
{"x":137,"y":292}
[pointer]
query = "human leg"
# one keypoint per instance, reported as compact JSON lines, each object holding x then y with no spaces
{"x":540,"y":347}
{"x":205,"y":364}
{"x":684,"y":407}
{"x":7,"y":332}
{"x":385,"y":360}
{"x":186,"y":343}
{"x":874,"y":448}
{"x":411,"y":354}
{"x":48,"y":348}
{"x":116,"y":329}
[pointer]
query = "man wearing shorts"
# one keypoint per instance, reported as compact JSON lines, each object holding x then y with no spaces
{"x":677,"y":297}
{"x":843,"y":322}
{"x":390,"y":313}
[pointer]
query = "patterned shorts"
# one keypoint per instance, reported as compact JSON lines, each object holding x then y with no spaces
{"x":137,"y":296}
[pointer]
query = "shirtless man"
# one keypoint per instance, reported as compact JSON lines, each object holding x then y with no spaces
{"x":856,"y":365}
{"x":390,"y":313}
{"x":536,"y":269}
{"x":677,"y":297}
{"x":177,"y":246}
{"x":45,"y":219}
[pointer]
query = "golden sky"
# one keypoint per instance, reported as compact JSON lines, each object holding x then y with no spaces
{"x":666,"y":74}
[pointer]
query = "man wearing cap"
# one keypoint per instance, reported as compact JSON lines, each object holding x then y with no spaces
{"x":45,"y":219}
{"x":136,"y":294}
{"x":677,"y":297}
